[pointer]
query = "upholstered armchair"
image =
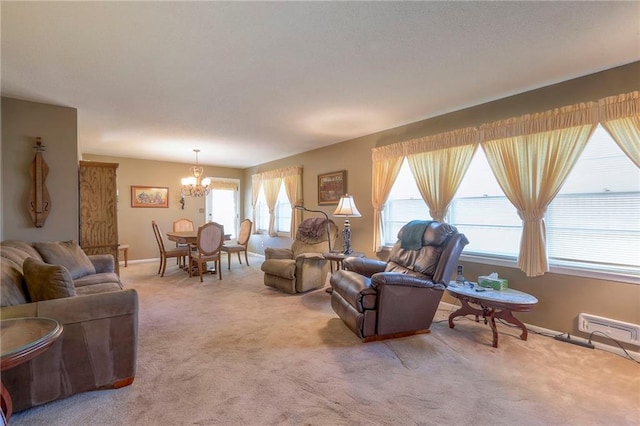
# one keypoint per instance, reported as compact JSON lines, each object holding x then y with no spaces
{"x":302,"y":267}
{"x":379,"y":300}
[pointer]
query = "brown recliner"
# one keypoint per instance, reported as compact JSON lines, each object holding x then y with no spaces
{"x":379,"y":300}
{"x":302,"y":267}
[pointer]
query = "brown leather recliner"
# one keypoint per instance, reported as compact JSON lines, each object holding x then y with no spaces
{"x":379,"y":300}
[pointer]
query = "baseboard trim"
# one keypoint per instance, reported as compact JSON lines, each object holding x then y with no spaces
{"x":157,"y":259}
{"x":545,"y":331}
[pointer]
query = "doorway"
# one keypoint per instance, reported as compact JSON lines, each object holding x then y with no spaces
{"x":222,"y":205}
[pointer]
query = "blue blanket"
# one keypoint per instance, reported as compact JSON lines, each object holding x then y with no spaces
{"x":412,"y":234}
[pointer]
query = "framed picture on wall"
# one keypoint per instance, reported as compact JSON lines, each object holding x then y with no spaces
{"x":331,"y":186}
{"x":149,"y":196}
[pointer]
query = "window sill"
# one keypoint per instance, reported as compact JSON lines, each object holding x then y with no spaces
{"x":624,"y":277}
{"x":510,"y":262}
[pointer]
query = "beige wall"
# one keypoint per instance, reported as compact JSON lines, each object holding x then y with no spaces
{"x":561,"y":297}
{"x":134,"y":224}
{"x":22,"y":122}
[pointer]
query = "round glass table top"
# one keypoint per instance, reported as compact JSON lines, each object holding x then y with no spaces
{"x":18,"y":335}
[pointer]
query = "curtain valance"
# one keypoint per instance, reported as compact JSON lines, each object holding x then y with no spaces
{"x":548,"y":121}
{"x":278,"y":173}
{"x":224,"y":184}
{"x":455,"y":138}
{"x":620,"y":115}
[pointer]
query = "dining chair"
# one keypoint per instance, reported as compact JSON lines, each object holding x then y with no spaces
{"x":208,"y":248}
{"x":164,"y":253}
{"x":181,"y":225}
{"x":241,"y":244}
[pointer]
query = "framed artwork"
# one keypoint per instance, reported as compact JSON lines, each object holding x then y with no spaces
{"x":331,"y":186}
{"x":149,"y":196}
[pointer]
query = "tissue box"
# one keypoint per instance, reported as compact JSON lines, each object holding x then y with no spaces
{"x":494,"y":283}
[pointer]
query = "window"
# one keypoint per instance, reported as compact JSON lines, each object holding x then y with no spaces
{"x":262,"y":213}
{"x":592,"y":224}
{"x":403,"y":205}
{"x":282,"y":213}
{"x":595,"y":218}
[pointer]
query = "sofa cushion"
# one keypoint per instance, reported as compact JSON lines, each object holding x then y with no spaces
{"x":98,"y":288}
{"x":91,"y":280}
{"x":45,"y":282}
{"x":68,"y":254}
{"x":27,"y":248}
{"x":12,"y":291}
{"x":15,"y":255}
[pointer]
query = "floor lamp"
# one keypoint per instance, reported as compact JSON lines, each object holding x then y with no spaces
{"x":301,"y":207}
{"x":346,"y":208}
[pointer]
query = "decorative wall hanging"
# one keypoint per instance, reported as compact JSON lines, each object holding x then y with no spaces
{"x":331,"y":186}
{"x":39,"y":203}
{"x":149,"y":196}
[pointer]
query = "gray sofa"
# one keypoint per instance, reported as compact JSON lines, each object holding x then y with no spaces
{"x":97,"y":349}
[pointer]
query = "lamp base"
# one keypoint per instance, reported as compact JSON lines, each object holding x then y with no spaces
{"x":346,"y":236}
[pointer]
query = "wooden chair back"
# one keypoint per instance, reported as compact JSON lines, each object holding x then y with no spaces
{"x":245,"y":232}
{"x":158,"y":235}
{"x":182,"y":225}
{"x":210,"y":238}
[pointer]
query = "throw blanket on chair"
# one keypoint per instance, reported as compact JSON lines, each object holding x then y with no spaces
{"x":314,"y":227}
{"x":412,"y":234}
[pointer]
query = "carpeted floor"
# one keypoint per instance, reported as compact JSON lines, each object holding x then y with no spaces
{"x":234,"y":352}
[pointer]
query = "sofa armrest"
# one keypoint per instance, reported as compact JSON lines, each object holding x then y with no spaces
{"x":69,"y":310}
{"x":364,"y":265}
{"x":103,"y":263}
{"x":97,"y":349}
{"x":278,"y":253}
{"x":397,"y":279}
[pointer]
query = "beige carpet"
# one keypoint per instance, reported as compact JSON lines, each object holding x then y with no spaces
{"x":234,"y":352}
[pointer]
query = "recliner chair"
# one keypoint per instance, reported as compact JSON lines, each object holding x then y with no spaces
{"x":302,"y":267}
{"x":379,"y":300}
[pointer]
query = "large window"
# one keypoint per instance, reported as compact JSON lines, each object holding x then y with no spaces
{"x":593,"y":223}
{"x":282,"y":213}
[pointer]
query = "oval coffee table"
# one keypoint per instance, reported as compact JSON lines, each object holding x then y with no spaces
{"x":22,"y":339}
{"x":493,"y":303}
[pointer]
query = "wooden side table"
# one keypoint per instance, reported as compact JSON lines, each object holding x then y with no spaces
{"x":124,"y":248}
{"x":493,"y":304}
{"x":338,"y":257}
{"x":22,"y":339}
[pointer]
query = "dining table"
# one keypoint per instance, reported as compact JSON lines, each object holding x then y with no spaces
{"x":191,"y":238}
{"x":188,"y":237}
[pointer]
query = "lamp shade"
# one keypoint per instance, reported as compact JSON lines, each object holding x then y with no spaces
{"x":346,"y":207}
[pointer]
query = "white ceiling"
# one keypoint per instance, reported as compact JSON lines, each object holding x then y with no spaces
{"x":252,"y":82}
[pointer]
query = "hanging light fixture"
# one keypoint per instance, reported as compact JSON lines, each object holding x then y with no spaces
{"x":195,"y":185}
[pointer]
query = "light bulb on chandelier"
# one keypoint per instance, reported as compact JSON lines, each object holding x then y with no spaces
{"x":195,"y":185}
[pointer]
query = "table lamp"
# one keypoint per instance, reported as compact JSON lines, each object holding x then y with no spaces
{"x":346,"y":208}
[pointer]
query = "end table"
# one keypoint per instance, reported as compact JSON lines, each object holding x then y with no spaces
{"x":338,"y":257}
{"x":22,"y":339}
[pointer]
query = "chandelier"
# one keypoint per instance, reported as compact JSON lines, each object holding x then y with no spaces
{"x":194,"y":185}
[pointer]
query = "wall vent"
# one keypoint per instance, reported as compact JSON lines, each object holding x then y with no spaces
{"x":618,"y":330}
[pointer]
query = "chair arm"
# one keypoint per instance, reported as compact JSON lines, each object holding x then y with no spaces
{"x":363,"y":265}
{"x":278,"y":253}
{"x":102,"y":262}
{"x":394,"y":278}
{"x":310,"y":256}
{"x":354,"y":288}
